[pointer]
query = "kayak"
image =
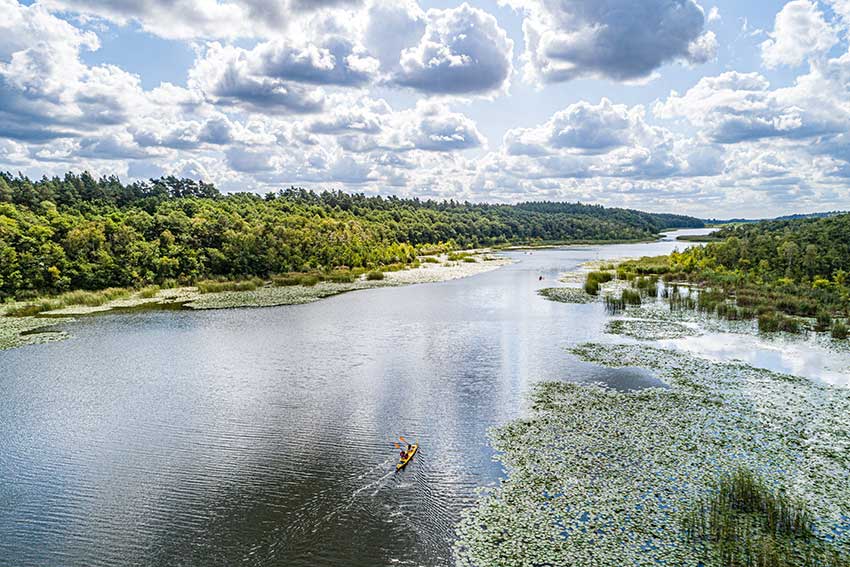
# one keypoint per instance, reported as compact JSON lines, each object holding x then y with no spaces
{"x":403,"y":462}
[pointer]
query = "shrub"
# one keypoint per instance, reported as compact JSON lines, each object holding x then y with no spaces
{"x":375,"y":275}
{"x":824,"y":319}
{"x":470,"y":260}
{"x":595,"y":279}
{"x":149,"y":291}
{"x":308,"y":280}
{"x":341,"y":276}
{"x":212,"y":286}
{"x":630,"y":297}
{"x":839,"y":330}
{"x":287,"y":280}
{"x":430,"y":260}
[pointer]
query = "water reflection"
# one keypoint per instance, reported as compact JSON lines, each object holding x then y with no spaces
{"x":807,"y":357}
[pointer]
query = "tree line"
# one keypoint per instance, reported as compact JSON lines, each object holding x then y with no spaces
{"x":811,"y":252}
{"x":81,"y":232}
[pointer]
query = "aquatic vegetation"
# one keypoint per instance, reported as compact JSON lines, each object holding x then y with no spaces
{"x":839,"y":330}
{"x":746,"y":522}
{"x":648,"y":286}
{"x":375,"y":275}
{"x":149,"y":292}
{"x":431,"y":260}
{"x":595,"y":279}
{"x":648,"y":329}
{"x":600,"y":477}
{"x":340,"y":276}
{"x":457,"y":256}
{"x":630,"y":297}
{"x":614,"y":305}
{"x":21,"y":331}
{"x":776,"y":322}
{"x":71,"y":298}
{"x":212,"y":286}
{"x":470,"y":260}
{"x":567,"y":295}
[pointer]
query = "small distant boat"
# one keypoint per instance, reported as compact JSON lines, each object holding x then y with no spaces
{"x":403,"y":462}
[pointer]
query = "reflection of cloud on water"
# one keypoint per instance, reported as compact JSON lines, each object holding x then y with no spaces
{"x":795,"y":357}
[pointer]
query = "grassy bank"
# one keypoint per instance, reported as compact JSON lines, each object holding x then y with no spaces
{"x":600,"y":477}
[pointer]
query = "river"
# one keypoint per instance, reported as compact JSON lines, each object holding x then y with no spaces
{"x":265,"y":436}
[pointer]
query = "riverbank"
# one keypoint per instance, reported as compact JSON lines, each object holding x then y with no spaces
{"x":600,"y":477}
{"x":18,"y":331}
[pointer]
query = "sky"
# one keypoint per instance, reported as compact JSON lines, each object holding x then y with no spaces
{"x":715,"y":108}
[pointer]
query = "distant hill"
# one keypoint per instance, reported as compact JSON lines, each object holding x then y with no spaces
{"x":795,"y":216}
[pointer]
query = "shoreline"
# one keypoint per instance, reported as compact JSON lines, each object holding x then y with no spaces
{"x":27,"y":330}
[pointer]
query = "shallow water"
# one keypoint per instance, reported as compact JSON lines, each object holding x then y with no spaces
{"x":265,"y":436}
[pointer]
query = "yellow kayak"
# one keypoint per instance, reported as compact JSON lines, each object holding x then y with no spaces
{"x":403,"y":462}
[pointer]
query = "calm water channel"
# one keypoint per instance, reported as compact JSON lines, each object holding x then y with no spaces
{"x":265,"y":436}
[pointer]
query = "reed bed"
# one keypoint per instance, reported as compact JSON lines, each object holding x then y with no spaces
{"x":87,"y":298}
{"x":746,"y":523}
{"x":214,"y":286}
{"x":595,"y":279}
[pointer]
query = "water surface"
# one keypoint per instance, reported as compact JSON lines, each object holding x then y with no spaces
{"x":265,"y":436}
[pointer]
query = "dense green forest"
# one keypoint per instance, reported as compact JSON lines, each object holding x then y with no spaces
{"x":774,"y":271}
{"x":79,"y":232}
{"x":814,"y":252}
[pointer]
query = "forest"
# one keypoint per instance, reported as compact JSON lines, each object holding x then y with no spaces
{"x":774,"y":271}
{"x":81,"y":232}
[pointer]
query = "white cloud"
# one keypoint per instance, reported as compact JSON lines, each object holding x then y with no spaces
{"x":713,"y":15}
{"x":462,"y":51}
{"x":46,"y":91}
{"x":738,"y":107}
{"x":603,"y":140}
{"x":393,"y":26}
{"x":234,"y":76}
{"x":616,"y":39}
{"x":799,"y":31}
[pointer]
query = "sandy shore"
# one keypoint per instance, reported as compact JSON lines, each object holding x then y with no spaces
{"x":16,"y":331}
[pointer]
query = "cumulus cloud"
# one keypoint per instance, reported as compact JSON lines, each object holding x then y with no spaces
{"x":462,"y":51}
{"x":438,"y":130}
{"x":616,"y":39}
{"x":392,"y":27}
{"x":737,"y":107}
{"x":231,"y":75}
{"x":800,"y":31}
{"x":608,"y":140}
{"x":46,"y":92}
{"x":281,"y":75}
{"x":367,"y":125}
